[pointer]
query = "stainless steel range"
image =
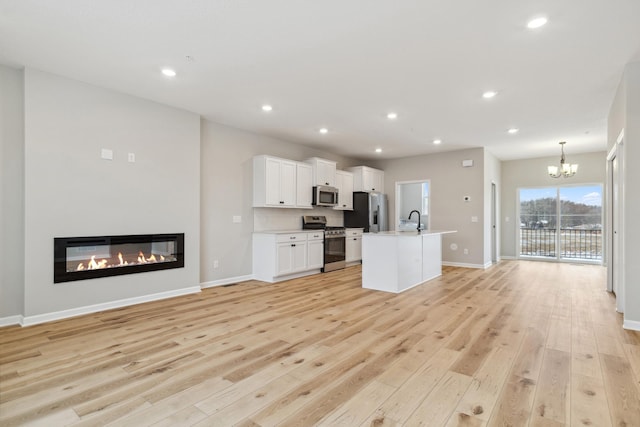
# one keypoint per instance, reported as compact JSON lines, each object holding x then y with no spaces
{"x":334,"y":241}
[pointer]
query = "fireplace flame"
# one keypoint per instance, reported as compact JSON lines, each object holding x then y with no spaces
{"x":94,"y":264}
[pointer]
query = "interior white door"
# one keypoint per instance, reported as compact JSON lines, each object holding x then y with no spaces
{"x":615,"y":188}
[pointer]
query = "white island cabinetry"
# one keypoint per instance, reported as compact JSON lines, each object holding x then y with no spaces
{"x":287,"y":254}
{"x":395,"y":261}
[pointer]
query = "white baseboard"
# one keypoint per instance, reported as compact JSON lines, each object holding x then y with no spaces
{"x":227,"y":281}
{"x":57,"y":315}
{"x":632,"y":325}
{"x":507,"y":257}
{"x":11,"y":320}
{"x":462,"y":264}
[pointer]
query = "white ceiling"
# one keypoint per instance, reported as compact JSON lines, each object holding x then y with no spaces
{"x":344,"y":64}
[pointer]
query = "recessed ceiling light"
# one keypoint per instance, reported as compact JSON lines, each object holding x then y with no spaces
{"x":513,"y":130}
{"x":323,"y":130}
{"x":378,"y":150}
{"x":267,"y":107}
{"x":537,"y":22}
{"x":437,"y":141}
{"x":168,"y":72}
{"x":489,"y":94}
{"x":392,"y":116}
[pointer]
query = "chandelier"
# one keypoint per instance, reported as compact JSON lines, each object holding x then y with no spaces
{"x":565,"y":170}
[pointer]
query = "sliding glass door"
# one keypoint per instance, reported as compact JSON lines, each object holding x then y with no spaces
{"x":561,"y":222}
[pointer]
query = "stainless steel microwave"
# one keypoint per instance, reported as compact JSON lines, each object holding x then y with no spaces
{"x":324,"y":195}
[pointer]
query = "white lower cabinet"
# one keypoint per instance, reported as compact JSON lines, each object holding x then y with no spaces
{"x":353,"y":245}
{"x":291,"y":257}
{"x":315,"y":250}
{"x":281,"y":256}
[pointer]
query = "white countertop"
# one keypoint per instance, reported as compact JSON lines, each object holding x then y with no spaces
{"x":287,"y":231}
{"x":409,"y":233}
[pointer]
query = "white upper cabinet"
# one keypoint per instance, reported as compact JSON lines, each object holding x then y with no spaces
{"x":304,"y":185}
{"x":274,"y":182}
{"x":344,"y":183}
{"x":367,"y":179}
{"x":324,"y":171}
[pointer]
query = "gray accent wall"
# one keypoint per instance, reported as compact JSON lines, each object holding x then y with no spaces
{"x":71,"y":191}
{"x":625,"y":115}
{"x":11,"y":192}
{"x":449,"y":183}
{"x":533,"y":173}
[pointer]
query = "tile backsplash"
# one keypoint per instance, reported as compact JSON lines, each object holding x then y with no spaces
{"x":274,"y":219}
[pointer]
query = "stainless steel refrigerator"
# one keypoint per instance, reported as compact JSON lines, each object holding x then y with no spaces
{"x":369,"y":212}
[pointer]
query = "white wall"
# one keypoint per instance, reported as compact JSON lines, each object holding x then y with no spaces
{"x":624,"y":115}
{"x":449,"y":183}
{"x":533,"y":173}
{"x":71,"y":191}
{"x":226,"y":159}
{"x":11,"y":192}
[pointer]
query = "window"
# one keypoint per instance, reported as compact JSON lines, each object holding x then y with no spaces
{"x":561,"y":222}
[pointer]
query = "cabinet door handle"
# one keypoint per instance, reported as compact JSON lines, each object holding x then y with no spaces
{"x":293,"y":244}
{"x":282,"y":202}
{"x":292,"y":238}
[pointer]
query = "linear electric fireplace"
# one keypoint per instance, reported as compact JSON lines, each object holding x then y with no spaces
{"x":80,"y":258}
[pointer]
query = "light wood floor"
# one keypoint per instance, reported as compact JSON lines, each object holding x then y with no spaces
{"x":521,"y":343}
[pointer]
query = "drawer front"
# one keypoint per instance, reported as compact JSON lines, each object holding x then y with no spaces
{"x":354,"y":232}
{"x":316,"y":235}
{"x":293,"y":237}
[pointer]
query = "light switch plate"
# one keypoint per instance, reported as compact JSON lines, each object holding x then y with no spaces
{"x":131,"y":157}
{"x":474,"y":219}
{"x":106,"y":154}
{"x":237,"y":219}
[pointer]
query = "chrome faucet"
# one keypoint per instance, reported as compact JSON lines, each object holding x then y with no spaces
{"x":419,"y":216}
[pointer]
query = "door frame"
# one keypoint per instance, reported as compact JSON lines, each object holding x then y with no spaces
{"x":494,"y":223}
{"x":616,"y":207}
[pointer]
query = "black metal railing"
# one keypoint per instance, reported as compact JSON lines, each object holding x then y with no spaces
{"x":574,"y":243}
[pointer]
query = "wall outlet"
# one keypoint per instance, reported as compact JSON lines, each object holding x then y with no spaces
{"x":237,"y":219}
{"x":466,"y":251}
{"x":474,"y":219}
{"x":216,"y":264}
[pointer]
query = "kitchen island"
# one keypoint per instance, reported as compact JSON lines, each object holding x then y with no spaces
{"x":394,"y":261}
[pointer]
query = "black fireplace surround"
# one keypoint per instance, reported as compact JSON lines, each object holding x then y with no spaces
{"x":80,"y":258}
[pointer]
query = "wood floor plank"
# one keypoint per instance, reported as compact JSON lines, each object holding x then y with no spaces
{"x":438,"y":406}
{"x":622,"y":391}
{"x":553,"y":393}
{"x":412,"y":393}
{"x":589,"y":406}
{"x":473,"y":347}
{"x":360,"y":407}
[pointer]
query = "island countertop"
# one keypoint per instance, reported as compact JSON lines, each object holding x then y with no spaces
{"x":413,"y":233}
{"x":394,"y":261}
